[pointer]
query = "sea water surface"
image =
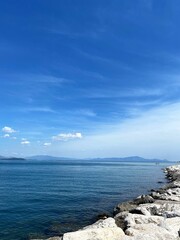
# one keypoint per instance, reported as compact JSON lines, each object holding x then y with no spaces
{"x":39,"y":199}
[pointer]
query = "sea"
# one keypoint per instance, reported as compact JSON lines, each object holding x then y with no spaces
{"x":40,"y":199}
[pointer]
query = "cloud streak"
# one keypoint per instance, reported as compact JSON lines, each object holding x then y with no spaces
{"x":125,"y":93}
{"x":67,"y":136}
{"x":37,"y":109}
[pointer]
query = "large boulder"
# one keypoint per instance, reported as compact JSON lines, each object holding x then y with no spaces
{"x":170,"y":194}
{"x":133,"y":219}
{"x":100,"y":230}
{"x":107,"y":223}
{"x":96,"y":234}
{"x":120,"y":220}
{"x":173,"y":224}
{"x":141,"y":227}
{"x":131,"y":205}
{"x":150,"y":232}
{"x":160,"y":208}
{"x":125,"y":207}
{"x":144,"y":199}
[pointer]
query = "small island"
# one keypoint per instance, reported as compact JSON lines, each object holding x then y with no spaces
{"x":12,"y":158}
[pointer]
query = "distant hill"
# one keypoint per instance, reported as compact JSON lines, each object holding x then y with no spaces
{"x":47,"y":157}
{"x":131,"y":159}
{"x":114,"y":159}
{"x":10,"y":158}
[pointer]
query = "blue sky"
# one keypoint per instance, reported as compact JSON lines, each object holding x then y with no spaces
{"x":90,"y":78}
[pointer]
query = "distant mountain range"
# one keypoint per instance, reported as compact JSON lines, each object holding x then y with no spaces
{"x":114,"y":159}
{"x":131,"y":159}
{"x":117,"y":159}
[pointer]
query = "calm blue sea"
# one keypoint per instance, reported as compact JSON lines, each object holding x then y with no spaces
{"x":46,"y":198}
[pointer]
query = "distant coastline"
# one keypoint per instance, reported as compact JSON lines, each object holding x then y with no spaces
{"x":108,"y":159}
{"x":114,"y":159}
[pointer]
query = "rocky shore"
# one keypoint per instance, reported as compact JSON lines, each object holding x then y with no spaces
{"x":154,"y":217}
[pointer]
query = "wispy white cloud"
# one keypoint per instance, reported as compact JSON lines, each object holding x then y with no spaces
{"x":37,"y":78}
{"x":37,"y":109}
{"x":124,"y":93}
{"x":8,"y":130}
{"x":105,"y":60}
{"x":47,"y":144}
{"x":67,"y":31}
{"x":67,"y":136}
{"x":32,"y":86}
{"x":7,"y":135}
{"x":84,"y":112}
{"x":49,"y":79}
{"x":25,"y":142}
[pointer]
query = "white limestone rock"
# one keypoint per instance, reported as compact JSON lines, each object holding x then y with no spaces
{"x":171,"y":194}
{"x":135,"y":219}
{"x":172,"y":224}
{"x":137,"y":222}
{"x":96,"y":234}
{"x":160,"y":208}
{"x":100,"y":230}
{"x":173,"y":168}
{"x":107,"y":223}
{"x":151,"y":232}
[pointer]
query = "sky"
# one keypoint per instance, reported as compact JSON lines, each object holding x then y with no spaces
{"x":94,"y":78}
